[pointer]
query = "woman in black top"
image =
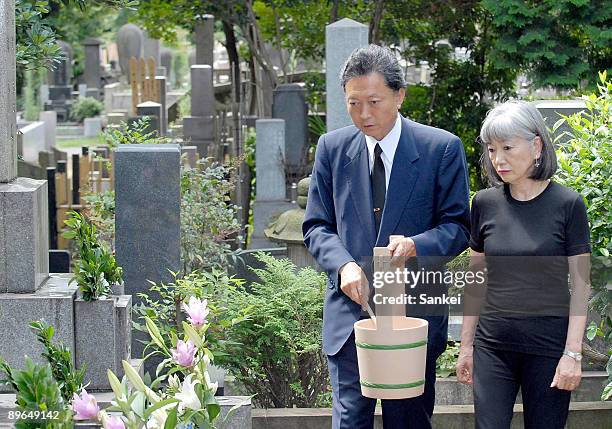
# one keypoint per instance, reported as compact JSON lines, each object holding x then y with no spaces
{"x":530,"y":233}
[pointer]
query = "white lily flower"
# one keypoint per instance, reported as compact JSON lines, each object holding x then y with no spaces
{"x":206,"y":360}
{"x":212,"y":386}
{"x":173,"y":381}
{"x":187,"y":395}
{"x":157,"y":419}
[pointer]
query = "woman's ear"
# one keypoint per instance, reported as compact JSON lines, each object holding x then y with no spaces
{"x":538,"y":145}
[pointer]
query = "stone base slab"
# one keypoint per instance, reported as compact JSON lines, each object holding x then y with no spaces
{"x":102,"y":337}
{"x":198,"y":128}
{"x":581,"y":415}
{"x":52,"y":302}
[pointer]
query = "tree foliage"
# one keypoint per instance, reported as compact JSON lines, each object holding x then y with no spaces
{"x":558,"y":42}
{"x":39,"y":23}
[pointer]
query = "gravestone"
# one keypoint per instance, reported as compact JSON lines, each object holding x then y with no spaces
{"x":270,"y":199}
{"x":204,"y":40}
{"x":92,"y":126}
{"x":165,"y":59}
{"x":160,"y":81}
{"x":153,"y":111}
{"x":115,"y":118}
{"x":130,"y":41}
{"x":147,"y":216}
{"x":110,"y":90}
{"x":341,"y":39}
{"x":189,"y":154}
{"x":552,"y":109}
{"x":290,"y":104}
{"x":199,"y":128}
{"x":44,"y":94}
{"x":25,"y":292}
{"x":50,"y":120}
{"x":61,"y":75}
{"x":82,"y":90}
{"x":60,"y":87}
{"x":150,"y":48}
{"x":92,"y":62}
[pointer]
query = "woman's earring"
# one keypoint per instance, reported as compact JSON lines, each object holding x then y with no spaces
{"x":537,"y":162}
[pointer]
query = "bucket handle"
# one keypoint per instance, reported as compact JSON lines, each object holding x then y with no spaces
{"x":387,"y":291}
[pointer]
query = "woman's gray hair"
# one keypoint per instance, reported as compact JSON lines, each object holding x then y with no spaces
{"x":517,"y":119}
{"x":372,"y":59}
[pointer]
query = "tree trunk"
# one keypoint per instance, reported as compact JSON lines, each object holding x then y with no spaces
{"x":374,"y":33}
{"x":334,"y":12}
{"x":264,"y":70}
{"x":232,"y":53}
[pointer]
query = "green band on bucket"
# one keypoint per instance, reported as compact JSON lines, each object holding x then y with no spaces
{"x":391,"y":346}
{"x":392,"y":386}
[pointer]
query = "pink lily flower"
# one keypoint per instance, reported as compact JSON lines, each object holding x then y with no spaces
{"x":184,"y":354}
{"x":197,"y":311}
{"x":114,"y":423}
{"x":85,"y":406}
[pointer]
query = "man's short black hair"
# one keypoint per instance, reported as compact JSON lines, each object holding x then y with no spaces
{"x":372,"y":59}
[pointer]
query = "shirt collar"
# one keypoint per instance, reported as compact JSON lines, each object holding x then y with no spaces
{"x":389,"y":142}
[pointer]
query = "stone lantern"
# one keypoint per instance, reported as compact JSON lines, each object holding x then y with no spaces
{"x":287,"y":229}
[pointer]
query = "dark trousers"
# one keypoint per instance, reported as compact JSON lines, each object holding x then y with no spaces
{"x":498,"y":374}
{"x":351,"y":410}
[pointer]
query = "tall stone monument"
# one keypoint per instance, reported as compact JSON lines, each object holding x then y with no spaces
{"x":205,"y":40}
{"x":289,"y":103}
{"x":28,"y":292}
{"x":165,"y":59}
{"x":92,"y":64}
{"x":199,"y":128}
{"x":130,"y":41}
{"x":341,"y":38}
{"x":150,"y":48}
{"x":147,"y":216}
{"x":60,"y":86}
{"x":270,"y":192}
{"x":25,"y":292}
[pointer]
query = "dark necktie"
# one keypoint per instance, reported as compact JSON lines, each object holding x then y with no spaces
{"x":379,"y":186}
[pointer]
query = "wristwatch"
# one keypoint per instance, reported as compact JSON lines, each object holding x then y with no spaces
{"x":577,"y":356}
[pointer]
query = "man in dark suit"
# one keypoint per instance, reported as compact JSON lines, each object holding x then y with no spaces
{"x":384,"y":176}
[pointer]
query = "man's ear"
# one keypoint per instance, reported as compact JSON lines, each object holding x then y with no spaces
{"x":399,"y":97}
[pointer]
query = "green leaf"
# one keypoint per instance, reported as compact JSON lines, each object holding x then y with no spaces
{"x":159,"y":405}
{"x":155,"y":334}
{"x":607,"y":392}
{"x":171,"y":419}
{"x":192,"y":334}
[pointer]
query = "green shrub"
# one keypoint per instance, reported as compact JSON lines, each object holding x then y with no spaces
{"x":69,"y":379}
{"x":445,"y":365}
{"x":585,"y":165}
{"x":37,"y":391}
{"x":86,"y":107}
{"x":276,"y":353}
{"x":208,"y":217}
{"x":95,"y":267}
{"x":134,"y":133}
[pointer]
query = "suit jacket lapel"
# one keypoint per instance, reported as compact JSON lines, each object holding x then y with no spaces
{"x":404,"y":175}
{"x":358,"y":175}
